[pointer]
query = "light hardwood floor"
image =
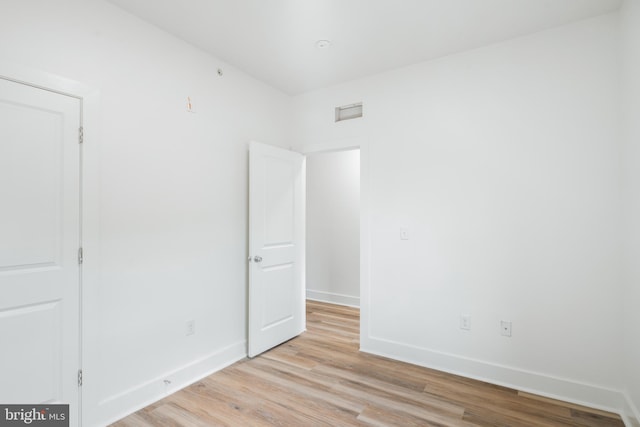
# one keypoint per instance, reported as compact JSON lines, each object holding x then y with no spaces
{"x":320,"y":379}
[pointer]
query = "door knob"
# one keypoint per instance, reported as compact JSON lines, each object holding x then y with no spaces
{"x":257,"y":258}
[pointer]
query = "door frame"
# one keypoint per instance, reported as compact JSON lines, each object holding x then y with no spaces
{"x":361,"y":143}
{"x":89,"y":99}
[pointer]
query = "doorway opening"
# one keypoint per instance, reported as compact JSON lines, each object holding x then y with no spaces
{"x":333,"y":227}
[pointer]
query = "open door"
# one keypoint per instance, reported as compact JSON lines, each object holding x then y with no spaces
{"x":276,"y":246}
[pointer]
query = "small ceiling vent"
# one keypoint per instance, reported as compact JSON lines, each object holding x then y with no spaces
{"x":348,"y":112}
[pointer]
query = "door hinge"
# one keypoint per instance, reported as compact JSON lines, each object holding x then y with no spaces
{"x":80,"y":135}
{"x":80,"y":256}
{"x":79,"y":377}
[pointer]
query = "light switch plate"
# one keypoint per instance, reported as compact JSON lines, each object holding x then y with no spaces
{"x":404,"y":233}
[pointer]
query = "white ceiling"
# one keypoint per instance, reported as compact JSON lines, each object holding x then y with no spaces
{"x":274,"y":40}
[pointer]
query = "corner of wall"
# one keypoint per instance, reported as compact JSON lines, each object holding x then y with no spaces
{"x":630,"y":414}
{"x":333,"y":298}
{"x":630,"y":90}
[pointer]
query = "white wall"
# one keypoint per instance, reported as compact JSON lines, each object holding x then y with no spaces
{"x":333,"y":227}
{"x":504,"y":165}
{"x":630,"y":14}
{"x":502,"y":162}
{"x":170,"y":189}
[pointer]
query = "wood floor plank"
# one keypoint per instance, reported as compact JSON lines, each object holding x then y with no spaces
{"x":368,"y":387}
{"x":319,"y":410}
{"x":382,"y":417}
{"x":322,"y":379}
{"x":568,"y":405}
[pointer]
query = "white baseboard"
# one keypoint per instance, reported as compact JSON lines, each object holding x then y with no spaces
{"x":119,"y":406}
{"x":333,"y":298}
{"x":567,"y":390}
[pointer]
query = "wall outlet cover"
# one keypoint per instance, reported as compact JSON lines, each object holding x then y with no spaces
{"x":465,"y":322}
{"x":190,"y":327}
{"x":505,"y":328}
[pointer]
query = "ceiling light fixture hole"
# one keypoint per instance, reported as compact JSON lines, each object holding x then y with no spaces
{"x":323,"y":44}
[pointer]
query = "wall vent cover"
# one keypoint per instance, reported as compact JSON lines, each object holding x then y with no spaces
{"x":348,"y":112}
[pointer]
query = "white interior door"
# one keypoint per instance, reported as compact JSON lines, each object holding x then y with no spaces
{"x":276,"y":246}
{"x":39,"y":242}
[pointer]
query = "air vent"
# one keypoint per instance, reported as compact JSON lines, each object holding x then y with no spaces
{"x":348,"y":112}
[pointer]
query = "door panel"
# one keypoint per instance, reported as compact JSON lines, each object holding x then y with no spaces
{"x":36,"y":360}
{"x":30,"y":218}
{"x":276,"y":237}
{"x":279,"y":176}
{"x":278,"y":280}
{"x":39,"y":241}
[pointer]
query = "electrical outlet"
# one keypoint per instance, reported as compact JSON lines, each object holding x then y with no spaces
{"x":465,"y":322}
{"x":190,"y":327}
{"x":505,"y":328}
